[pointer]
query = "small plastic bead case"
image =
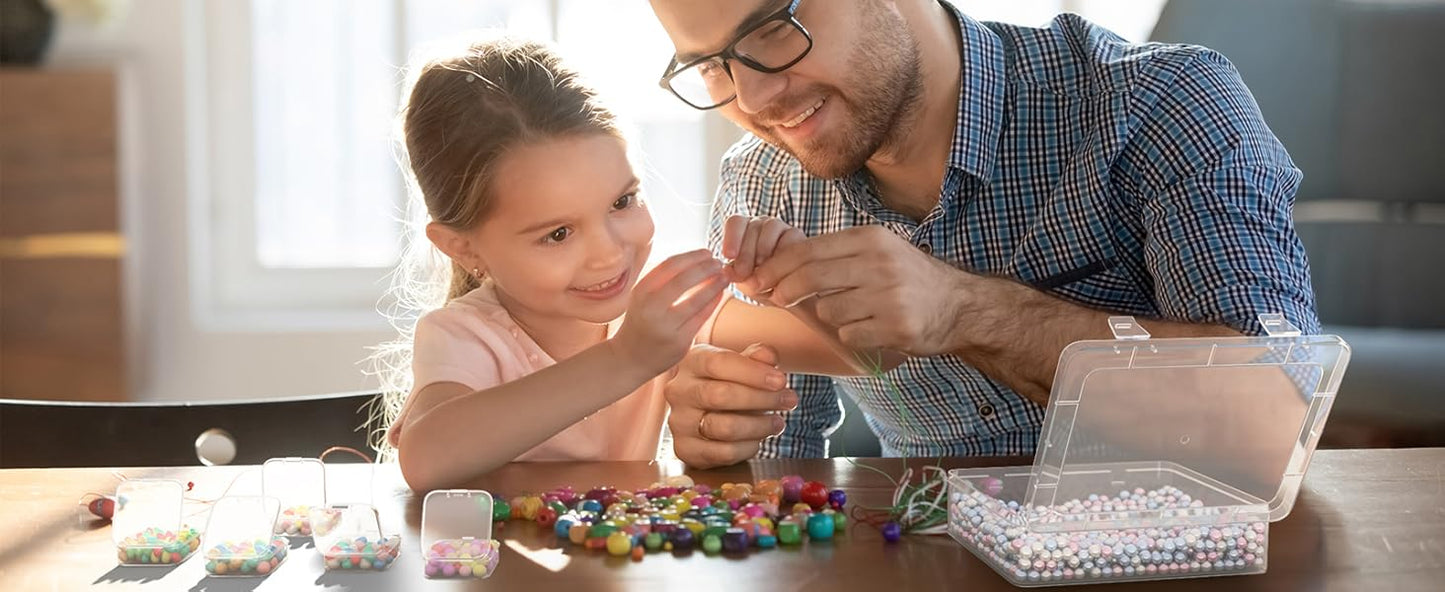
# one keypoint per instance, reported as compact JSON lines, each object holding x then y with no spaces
{"x":239,"y":537}
{"x":299,"y":484}
{"x":146,"y":526}
{"x":348,"y":529}
{"x":456,"y":534}
{"x":1158,"y":459}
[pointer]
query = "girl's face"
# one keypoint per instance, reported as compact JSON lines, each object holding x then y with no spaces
{"x":567,"y":234}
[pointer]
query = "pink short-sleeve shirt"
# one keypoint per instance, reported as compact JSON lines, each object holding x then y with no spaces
{"x":473,"y":341}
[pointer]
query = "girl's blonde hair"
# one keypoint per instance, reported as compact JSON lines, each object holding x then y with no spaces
{"x":464,"y":110}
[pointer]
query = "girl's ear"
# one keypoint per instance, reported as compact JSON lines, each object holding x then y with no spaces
{"x":456,"y":246}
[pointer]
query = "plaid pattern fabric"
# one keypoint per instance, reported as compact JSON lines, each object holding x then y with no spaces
{"x":1138,"y":179}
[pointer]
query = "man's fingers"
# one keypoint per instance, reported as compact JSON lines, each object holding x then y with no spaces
{"x":762,"y":353}
{"x":822,"y":278}
{"x":721,"y":426}
{"x":732,"y":239}
{"x":706,"y":454}
{"x":718,"y":395}
{"x":744,"y":369}
{"x":789,"y":257}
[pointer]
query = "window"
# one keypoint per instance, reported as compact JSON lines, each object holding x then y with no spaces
{"x":298,"y":203}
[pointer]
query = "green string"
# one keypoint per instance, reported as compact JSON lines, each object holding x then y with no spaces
{"x":905,"y":492}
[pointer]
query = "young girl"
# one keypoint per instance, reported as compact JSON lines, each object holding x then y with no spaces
{"x":526,"y":180}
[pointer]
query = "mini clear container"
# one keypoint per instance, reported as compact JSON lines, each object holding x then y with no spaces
{"x":1158,"y":459}
{"x":299,"y":484}
{"x":349,"y":537}
{"x":146,"y":526}
{"x":347,"y":531}
{"x":239,"y":537}
{"x":456,"y":534}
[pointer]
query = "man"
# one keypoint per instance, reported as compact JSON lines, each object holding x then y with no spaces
{"x":979,"y":196}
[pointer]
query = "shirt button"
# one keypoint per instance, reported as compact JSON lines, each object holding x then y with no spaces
{"x":926,"y":248}
{"x":531,"y":357}
{"x":516,"y":333}
{"x":985,"y":410}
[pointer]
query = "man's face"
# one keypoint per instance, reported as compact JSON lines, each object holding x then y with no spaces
{"x":836,"y":107}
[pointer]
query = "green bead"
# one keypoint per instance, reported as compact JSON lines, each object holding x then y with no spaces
{"x":249,"y":565}
{"x":714,"y":531}
{"x":559,"y":507}
{"x":501,"y":511}
{"x":653,"y":541}
{"x":601,"y":529}
{"x":711,"y":543}
{"x":789,"y":533}
{"x":840,"y":522}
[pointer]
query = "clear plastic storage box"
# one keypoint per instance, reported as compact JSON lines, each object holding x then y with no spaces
{"x":456,"y":534}
{"x":349,"y":537}
{"x":347,"y":531}
{"x":1158,"y":459}
{"x":299,"y":484}
{"x":239,"y":537}
{"x":146,"y":526}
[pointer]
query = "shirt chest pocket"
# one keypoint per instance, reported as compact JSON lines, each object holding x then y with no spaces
{"x":1069,"y":251}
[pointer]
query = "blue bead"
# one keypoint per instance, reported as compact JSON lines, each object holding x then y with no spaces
{"x":590,"y":505}
{"x":820,"y":527}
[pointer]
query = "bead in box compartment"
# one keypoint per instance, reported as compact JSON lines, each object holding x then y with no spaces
{"x":294,"y":521}
{"x":462,"y":558}
{"x":362,"y":553}
{"x":998,"y":530}
{"x":246,"y":558}
{"x":154,"y":546}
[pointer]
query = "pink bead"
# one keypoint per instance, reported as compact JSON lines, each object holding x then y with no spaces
{"x":449,"y":569}
{"x":431,"y":569}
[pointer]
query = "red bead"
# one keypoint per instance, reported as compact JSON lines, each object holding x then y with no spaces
{"x":546,"y":517}
{"x":814,"y":494}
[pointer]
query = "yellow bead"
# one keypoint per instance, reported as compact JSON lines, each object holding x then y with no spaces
{"x":619,"y":544}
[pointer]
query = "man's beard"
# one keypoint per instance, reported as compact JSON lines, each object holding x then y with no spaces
{"x":887,"y":88}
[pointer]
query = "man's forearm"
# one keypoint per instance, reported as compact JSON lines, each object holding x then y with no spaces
{"x":1014,"y":333}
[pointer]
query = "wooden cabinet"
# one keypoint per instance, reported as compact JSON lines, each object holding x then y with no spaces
{"x":62,"y":329}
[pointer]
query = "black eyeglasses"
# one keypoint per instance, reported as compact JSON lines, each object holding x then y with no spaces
{"x":771,"y":46}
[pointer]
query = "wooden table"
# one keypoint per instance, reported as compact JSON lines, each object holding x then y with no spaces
{"x":1366,"y":520}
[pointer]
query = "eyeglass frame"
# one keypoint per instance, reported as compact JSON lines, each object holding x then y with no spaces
{"x":729,"y":53}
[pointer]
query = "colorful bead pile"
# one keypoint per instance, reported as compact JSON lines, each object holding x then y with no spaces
{"x":362,"y":553}
{"x":294,"y":521}
{"x":463,"y":558}
{"x":157,"y":546}
{"x":678,"y":516}
{"x":246,"y":558}
{"x":998,"y":530}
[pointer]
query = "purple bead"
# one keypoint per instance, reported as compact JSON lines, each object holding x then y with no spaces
{"x":792,"y":490}
{"x":682,"y":540}
{"x":837,"y":498}
{"x":597,"y":494}
{"x":735,"y":540}
{"x":892,"y":532}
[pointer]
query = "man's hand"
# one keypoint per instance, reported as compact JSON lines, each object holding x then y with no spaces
{"x":878,"y":290}
{"x":722,"y":403}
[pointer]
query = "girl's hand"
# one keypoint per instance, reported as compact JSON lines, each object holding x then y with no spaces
{"x":750,"y":241}
{"x":668,"y":307}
